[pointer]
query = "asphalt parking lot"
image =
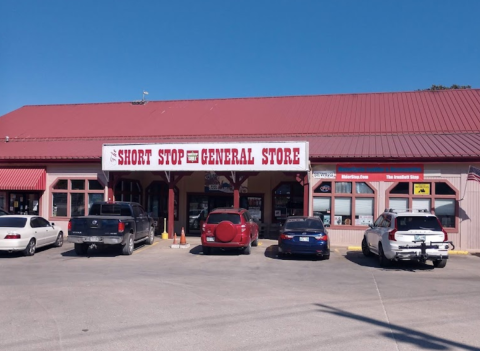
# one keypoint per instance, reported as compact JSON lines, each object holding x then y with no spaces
{"x":178,"y":299}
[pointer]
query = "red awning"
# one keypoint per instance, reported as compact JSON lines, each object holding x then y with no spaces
{"x":23,"y":179}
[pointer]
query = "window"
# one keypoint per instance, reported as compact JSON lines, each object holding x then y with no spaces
{"x":438,"y":197}
{"x":287,"y":201}
{"x":344,"y":203}
{"x":74,"y":196}
{"x":128,"y":190}
{"x":157,"y":200}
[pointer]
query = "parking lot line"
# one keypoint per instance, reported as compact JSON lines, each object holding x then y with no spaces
{"x":144,"y":248}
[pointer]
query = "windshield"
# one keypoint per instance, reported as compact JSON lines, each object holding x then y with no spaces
{"x":216,"y":218}
{"x":418,"y":222}
{"x":12,"y":222}
{"x":303,"y":224}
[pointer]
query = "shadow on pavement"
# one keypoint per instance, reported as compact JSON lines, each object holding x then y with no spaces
{"x":101,"y":251}
{"x":198,"y":250}
{"x":408,"y":266}
{"x":16,"y":254}
{"x":272,"y":252}
{"x":401,"y":334}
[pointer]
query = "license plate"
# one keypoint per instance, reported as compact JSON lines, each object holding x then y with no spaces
{"x":93,"y":239}
{"x":304,"y":238}
{"x":419,"y":237}
{"x":210,"y":238}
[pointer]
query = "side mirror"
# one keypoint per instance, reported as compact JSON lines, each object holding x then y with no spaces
{"x":52,"y":224}
{"x":326,"y":225}
{"x":370,"y":225}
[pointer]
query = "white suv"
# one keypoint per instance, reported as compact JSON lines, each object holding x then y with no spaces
{"x":408,"y":235}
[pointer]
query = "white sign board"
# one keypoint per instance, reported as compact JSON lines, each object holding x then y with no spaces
{"x":276,"y":156}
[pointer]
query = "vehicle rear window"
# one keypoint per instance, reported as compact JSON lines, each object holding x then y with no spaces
{"x":418,"y":222}
{"x":12,"y":222}
{"x":303,"y":224}
{"x":216,"y":218}
{"x":109,"y":210}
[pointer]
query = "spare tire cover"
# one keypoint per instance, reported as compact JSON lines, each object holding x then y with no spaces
{"x":225,"y":231}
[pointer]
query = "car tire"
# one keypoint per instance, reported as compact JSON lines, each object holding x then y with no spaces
{"x":59,"y":241}
{"x":30,"y":249}
{"x":382,"y":259}
{"x":439,"y":263}
{"x":206,"y":250}
{"x":365,"y":249}
{"x":281,"y":255}
{"x":255,"y":242}
{"x":151,"y":236}
{"x":326,"y":257}
{"x":127,"y":249}
{"x":81,"y":249}
{"x":248,"y":249}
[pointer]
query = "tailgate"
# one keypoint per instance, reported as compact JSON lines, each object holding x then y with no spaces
{"x":412,"y":236}
{"x":89,"y":226}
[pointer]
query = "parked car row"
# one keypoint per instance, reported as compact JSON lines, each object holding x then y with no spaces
{"x":394,"y":236}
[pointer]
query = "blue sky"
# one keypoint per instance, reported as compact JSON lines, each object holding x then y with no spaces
{"x":55,"y":52}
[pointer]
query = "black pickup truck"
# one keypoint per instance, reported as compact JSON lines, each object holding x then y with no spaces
{"x":111,"y":223}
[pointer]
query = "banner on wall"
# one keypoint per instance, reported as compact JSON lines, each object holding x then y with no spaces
{"x":373,"y":172}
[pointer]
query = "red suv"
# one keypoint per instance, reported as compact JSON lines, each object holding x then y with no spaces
{"x":229,"y":227}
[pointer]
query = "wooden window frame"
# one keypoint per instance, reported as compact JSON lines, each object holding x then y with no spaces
{"x":123,"y":192}
{"x":410,"y":196}
{"x":69,"y":191}
{"x":354,"y":195}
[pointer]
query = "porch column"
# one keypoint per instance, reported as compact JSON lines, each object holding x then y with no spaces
{"x":171,"y":208}
{"x":237,"y":179}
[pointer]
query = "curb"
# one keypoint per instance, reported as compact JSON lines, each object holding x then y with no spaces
{"x":454,"y":252}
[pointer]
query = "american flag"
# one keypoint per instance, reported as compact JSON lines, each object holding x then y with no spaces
{"x":473,"y":174}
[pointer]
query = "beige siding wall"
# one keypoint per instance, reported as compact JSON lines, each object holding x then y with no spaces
{"x":467,"y":236}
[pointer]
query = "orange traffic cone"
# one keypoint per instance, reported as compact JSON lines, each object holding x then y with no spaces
{"x":175,"y":239}
{"x":183,"y":240}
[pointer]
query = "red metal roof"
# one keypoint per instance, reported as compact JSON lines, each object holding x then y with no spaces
{"x":22,"y":179}
{"x":398,"y":125}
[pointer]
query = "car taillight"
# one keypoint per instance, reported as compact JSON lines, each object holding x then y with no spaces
{"x":69,"y":225}
{"x":12,"y":236}
{"x":323,"y":237}
{"x":284,"y":236}
{"x":445,"y":235}
{"x":121,"y":227}
{"x":391,"y":234}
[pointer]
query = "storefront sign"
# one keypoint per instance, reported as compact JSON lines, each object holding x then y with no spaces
{"x":380,"y":172}
{"x":421,"y":188}
{"x":330,"y":174}
{"x":280,"y":156}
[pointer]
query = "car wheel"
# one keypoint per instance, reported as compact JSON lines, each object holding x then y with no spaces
{"x":30,"y":249}
{"x":127,"y":249}
{"x":206,"y":250}
{"x":248,"y":249}
{"x":81,"y":249}
{"x":365,"y":249}
{"x":59,"y":241}
{"x":151,"y":236}
{"x":439,"y":263}
{"x":255,"y":242}
{"x":383,"y":260}
{"x":326,"y":257}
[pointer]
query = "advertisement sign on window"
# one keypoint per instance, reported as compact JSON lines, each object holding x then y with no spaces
{"x":421,"y":188}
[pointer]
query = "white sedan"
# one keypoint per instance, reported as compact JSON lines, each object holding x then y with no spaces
{"x":26,"y":233}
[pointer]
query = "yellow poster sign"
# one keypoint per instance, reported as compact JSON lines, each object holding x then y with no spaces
{"x":421,"y":188}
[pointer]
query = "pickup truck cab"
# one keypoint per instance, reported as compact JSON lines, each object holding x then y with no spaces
{"x":111,"y":223}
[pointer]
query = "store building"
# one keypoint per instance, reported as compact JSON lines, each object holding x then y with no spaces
{"x":344,"y":158}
